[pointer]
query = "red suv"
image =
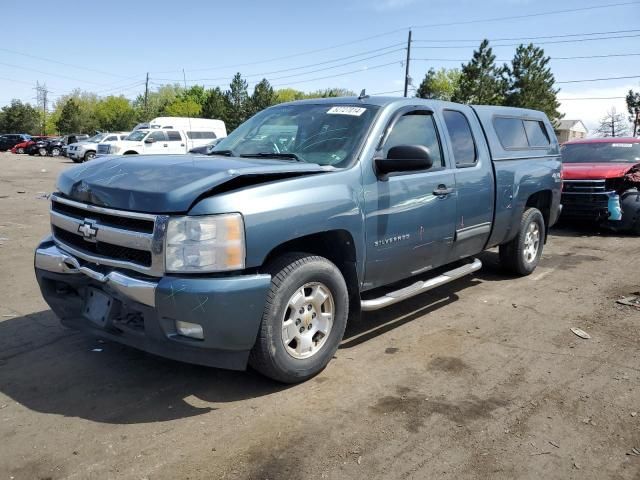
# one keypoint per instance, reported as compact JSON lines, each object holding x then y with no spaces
{"x":601,"y":182}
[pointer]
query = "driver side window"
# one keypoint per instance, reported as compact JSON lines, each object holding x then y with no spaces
{"x":158,"y":136}
{"x":416,"y":128}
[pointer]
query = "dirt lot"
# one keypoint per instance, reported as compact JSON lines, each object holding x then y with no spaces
{"x":480,"y":379}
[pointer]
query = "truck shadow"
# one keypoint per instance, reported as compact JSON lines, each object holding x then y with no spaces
{"x":573,"y":229}
{"x":50,"y":369}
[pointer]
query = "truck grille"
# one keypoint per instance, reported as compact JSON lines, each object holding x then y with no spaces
{"x":585,"y":199}
{"x":102,"y":236}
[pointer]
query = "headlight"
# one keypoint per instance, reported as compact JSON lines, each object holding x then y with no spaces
{"x":213,"y":243}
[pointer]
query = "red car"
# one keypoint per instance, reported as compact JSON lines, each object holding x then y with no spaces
{"x":601,"y":182}
{"x":22,"y":146}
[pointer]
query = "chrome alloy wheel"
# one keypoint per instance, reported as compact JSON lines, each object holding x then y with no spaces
{"x":531,"y":242}
{"x":307,"y":320}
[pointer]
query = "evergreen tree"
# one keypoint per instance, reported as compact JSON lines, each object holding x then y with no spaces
{"x":531,"y":83}
{"x":440,"y":84}
{"x":263,"y":97}
{"x":633,"y":107}
{"x":19,"y":117}
{"x":70,"y":120}
{"x":237,"y":102}
{"x":481,"y":81}
{"x":214,"y":105}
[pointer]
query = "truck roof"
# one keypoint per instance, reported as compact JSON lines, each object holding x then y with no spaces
{"x":383,"y":101}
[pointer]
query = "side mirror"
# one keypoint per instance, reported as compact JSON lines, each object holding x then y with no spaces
{"x":405,"y":158}
{"x":149,"y":140}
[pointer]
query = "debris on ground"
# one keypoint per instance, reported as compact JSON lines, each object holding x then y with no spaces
{"x":580,"y":333}
{"x":21,"y":191}
{"x":633,"y":414}
{"x":554,"y":444}
{"x":632,"y":301}
{"x":634,"y":451}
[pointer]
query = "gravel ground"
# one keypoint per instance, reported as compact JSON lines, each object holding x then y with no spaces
{"x":482,"y":378}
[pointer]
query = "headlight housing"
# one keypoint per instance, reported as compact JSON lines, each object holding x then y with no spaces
{"x":210,"y":243}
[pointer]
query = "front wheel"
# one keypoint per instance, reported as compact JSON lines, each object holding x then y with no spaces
{"x":522,"y":254}
{"x":42,"y":152}
{"x":304,"y":318}
{"x":55,"y":151}
{"x":20,"y":150}
{"x":90,"y":155}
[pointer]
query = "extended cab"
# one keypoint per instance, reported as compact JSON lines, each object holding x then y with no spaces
{"x":601,"y":182}
{"x":304,"y":216}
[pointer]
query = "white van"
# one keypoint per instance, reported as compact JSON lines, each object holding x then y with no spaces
{"x":167,"y":135}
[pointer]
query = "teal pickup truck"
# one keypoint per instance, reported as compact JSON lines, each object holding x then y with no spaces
{"x":304,"y":216}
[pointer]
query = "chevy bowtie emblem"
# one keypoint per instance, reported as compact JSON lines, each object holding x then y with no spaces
{"x":87,"y":230}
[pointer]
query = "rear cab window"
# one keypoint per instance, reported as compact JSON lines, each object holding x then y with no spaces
{"x":174,"y":136}
{"x":517,"y":133}
{"x":463,"y":144}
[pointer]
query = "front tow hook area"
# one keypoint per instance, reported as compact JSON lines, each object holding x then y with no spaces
{"x":52,"y":259}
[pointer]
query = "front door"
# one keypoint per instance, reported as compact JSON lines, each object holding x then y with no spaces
{"x":410,"y":217}
{"x":159,"y":144}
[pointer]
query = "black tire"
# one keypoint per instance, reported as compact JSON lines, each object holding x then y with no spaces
{"x":512,"y":254}
{"x":289,"y":273}
{"x":55,"y":151}
{"x":20,"y":151}
{"x":90,"y":155}
{"x":42,"y":152}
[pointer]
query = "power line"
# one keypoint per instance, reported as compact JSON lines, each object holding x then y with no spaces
{"x":537,"y":43}
{"x":508,"y":60}
{"x":599,"y":79}
{"x":528,"y":15}
{"x":302,"y":67}
{"x":590,"y":98}
{"x":15,"y":52}
{"x":340,"y":74}
{"x":50,"y":74}
{"x":529,"y":38}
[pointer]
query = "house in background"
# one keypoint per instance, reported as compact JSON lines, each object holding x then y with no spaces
{"x":570,"y":130}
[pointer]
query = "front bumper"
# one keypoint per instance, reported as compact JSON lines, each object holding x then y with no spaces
{"x":75,"y":154}
{"x":145,"y":309}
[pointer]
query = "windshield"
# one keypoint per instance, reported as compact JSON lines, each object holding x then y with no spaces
{"x":601,"y":153}
{"x":325,"y":134}
{"x":137,"y":135}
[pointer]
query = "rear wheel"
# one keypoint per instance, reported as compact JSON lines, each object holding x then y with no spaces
{"x":42,"y":152}
{"x":55,"y":151}
{"x":522,"y":254}
{"x":20,"y":150}
{"x":304,"y":318}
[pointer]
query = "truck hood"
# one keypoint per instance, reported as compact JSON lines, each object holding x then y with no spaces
{"x":594,"y":171}
{"x":168,"y":183}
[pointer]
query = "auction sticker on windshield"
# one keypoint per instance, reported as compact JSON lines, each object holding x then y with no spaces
{"x":355,"y":111}
{"x":622,"y":145}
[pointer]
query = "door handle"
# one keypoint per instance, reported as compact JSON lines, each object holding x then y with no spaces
{"x":442,"y":191}
{"x":165,"y":145}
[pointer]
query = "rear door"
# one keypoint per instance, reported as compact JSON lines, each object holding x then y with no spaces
{"x":410,"y":216}
{"x":473,"y":178}
{"x":176,"y":144}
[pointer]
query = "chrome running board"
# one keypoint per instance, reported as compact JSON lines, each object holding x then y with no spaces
{"x":419,"y":287}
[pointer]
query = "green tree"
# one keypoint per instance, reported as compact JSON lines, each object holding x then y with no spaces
{"x":70,"y":120}
{"x":183,"y":108}
{"x":197,"y":93}
{"x":237,"y":100}
{"x":330,"y":92}
{"x":115,"y":114}
{"x":86,"y":103}
{"x":481,"y":81}
{"x":531,"y":83}
{"x":439,"y":84}
{"x":214,"y":105}
{"x":263,"y":97}
{"x":19,"y":117}
{"x":288,"y":95}
{"x":157,"y":102}
{"x":633,"y":106}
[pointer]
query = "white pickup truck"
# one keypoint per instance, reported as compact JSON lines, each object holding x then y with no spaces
{"x":166,"y":135}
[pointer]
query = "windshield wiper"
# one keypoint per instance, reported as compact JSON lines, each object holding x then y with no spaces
{"x":226,"y":153}
{"x":292,"y":156}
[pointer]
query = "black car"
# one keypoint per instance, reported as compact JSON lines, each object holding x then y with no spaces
{"x":54,"y":146}
{"x":205,"y":149}
{"x":9,"y":140}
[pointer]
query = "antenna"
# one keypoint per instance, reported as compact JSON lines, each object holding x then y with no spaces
{"x":363,"y":94}
{"x":184,"y":79}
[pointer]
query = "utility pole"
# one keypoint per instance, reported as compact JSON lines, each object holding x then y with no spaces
{"x":146,"y":97}
{"x":406,"y":73}
{"x":636,"y":122}
{"x":42,"y":100}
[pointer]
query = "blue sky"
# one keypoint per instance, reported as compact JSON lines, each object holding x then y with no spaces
{"x":117,"y":42}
